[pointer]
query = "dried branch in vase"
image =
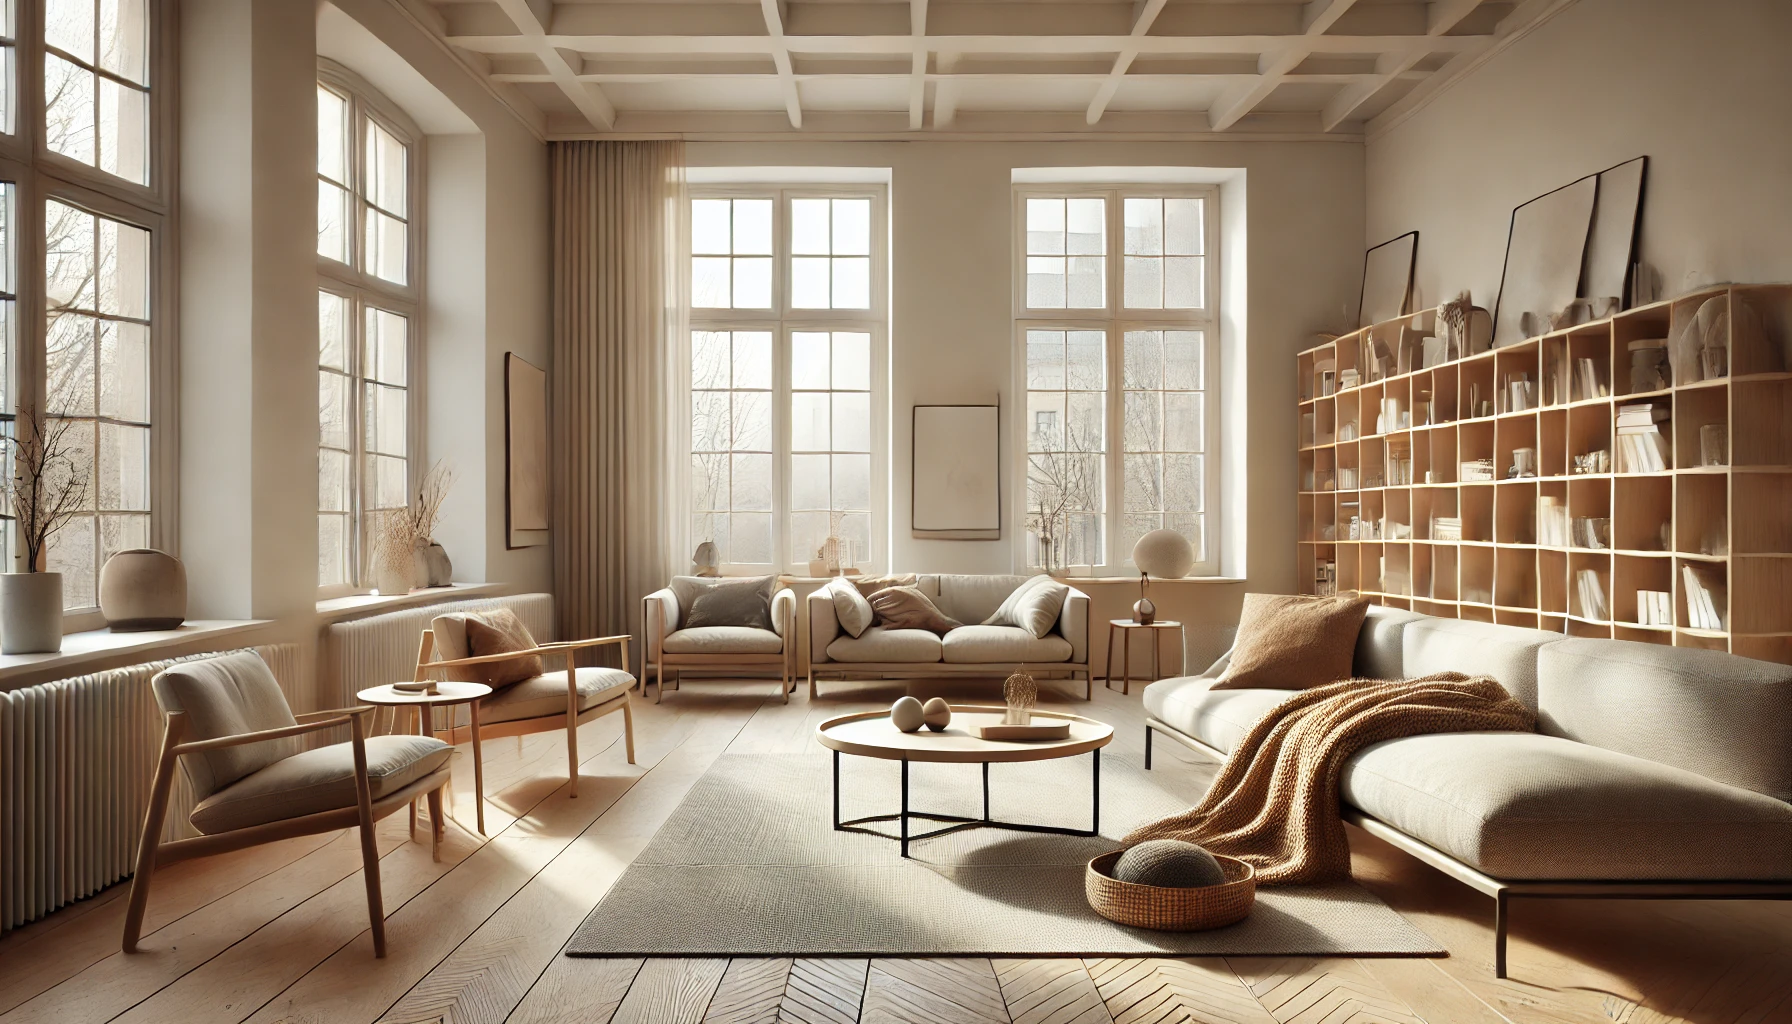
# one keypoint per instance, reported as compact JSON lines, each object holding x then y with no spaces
{"x":400,"y":530}
{"x":47,"y":483}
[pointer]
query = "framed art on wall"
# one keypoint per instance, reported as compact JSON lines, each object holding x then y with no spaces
{"x":525,"y":452}
{"x":956,"y":478}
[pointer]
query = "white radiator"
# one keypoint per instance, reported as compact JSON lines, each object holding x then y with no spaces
{"x":77,"y":757}
{"x":383,"y":648}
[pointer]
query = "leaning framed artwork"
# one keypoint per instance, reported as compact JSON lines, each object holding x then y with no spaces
{"x":525,"y":453}
{"x":956,"y":482}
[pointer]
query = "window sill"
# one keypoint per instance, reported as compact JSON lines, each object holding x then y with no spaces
{"x":99,"y":648}
{"x":342,"y":609}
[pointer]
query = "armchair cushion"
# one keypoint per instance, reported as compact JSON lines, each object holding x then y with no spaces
{"x":850,"y":607}
{"x":725,"y":602}
{"x":723,"y":640}
{"x":226,"y":696}
{"x":977,"y":645}
{"x":546,"y":695}
{"x":881,"y":643}
{"x":1034,"y":606}
{"x":496,"y":632}
{"x":318,"y":780}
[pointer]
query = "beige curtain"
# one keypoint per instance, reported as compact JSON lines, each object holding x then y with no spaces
{"x":619,"y":213}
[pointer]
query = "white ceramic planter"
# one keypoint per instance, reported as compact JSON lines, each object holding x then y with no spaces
{"x":30,"y":613}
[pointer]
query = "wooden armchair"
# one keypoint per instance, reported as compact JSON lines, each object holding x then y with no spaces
{"x":256,"y":785}
{"x":560,"y":699}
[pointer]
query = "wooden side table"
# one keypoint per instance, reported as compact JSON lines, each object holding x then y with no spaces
{"x":422,"y":707}
{"x":1125,"y":627}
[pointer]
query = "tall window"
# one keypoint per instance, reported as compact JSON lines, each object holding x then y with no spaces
{"x":367,"y":178}
{"x":788,"y":297}
{"x":1117,"y":327}
{"x":82,"y":202}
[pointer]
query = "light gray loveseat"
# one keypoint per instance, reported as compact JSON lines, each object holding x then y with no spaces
{"x":970,"y":650}
{"x":1656,"y":772}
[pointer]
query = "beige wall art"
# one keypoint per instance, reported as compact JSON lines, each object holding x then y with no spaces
{"x":526,"y":451}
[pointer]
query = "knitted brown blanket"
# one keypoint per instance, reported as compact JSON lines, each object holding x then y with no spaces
{"x":1275,"y":802}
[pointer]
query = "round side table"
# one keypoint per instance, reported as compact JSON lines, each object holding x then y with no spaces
{"x":422,"y":707}
{"x":1125,"y":627}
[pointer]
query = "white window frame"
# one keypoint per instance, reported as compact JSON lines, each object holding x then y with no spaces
{"x":783,"y":320}
{"x":1113,"y":319}
{"x":40,"y":174}
{"x":364,"y":289}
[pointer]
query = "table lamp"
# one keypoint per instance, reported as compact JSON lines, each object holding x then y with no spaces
{"x":1165,"y":554}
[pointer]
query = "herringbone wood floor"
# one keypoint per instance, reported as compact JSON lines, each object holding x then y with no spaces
{"x":279,"y":934}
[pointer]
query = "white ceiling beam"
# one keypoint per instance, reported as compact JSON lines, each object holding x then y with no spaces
{"x":1015,"y":46}
{"x":917,"y":87}
{"x":774,"y":12}
{"x":737,"y":74}
{"x":1445,"y":15}
{"x":531,"y":20}
{"x":1317,"y":18}
{"x":1144,"y":13}
{"x":945,"y":94}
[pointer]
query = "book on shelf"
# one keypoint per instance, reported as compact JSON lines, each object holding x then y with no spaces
{"x":1591,"y":532}
{"x":1556,"y":379}
{"x":1639,"y":442}
{"x":1521,"y":394}
{"x":1476,"y":469}
{"x":1552,"y":522}
{"x":1654,"y":608}
{"x":1446,"y":528}
{"x":1589,"y":381}
{"x":1591,"y":593}
{"x":1707,"y":597}
{"x":1347,"y":478}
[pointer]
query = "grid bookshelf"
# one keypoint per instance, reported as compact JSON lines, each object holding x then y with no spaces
{"x":1421,"y":461}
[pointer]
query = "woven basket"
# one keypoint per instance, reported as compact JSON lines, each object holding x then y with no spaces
{"x":1171,"y":910}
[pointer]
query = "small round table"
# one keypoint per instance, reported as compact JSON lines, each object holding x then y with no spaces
{"x":422,"y":706}
{"x":1125,"y":626}
{"x":870,"y":734}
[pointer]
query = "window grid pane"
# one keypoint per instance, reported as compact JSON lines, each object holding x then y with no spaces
{"x":1165,"y":442}
{"x":731,"y":444}
{"x":731,"y":247}
{"x":96,"y":103}
{"x":1164,"y":264}
{"x":830,"y":444}
{"x":1066,"y":446}
{"x":1066,"y":246}
{"x":97,"y":373}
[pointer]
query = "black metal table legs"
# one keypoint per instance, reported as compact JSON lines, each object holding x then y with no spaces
{"x":958,"y":823}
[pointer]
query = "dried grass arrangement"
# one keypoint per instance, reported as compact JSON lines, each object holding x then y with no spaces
{"x":401,"y":531}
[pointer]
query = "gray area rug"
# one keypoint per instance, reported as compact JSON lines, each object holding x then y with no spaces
{"x":750,"y":865}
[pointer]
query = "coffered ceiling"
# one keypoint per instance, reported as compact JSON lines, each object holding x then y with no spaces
{"x":596,"y":68}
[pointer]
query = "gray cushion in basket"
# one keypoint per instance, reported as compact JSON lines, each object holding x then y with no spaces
{"x":1528,"y":806}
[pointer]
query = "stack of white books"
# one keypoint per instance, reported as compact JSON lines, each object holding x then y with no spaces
{"x":1446,"y":528}
{"x":1641,"y":448}
{"x":1476,"y":469}
{"x":1552,"y":522}
{"x":1589,"y":382}
{"x":1591,"y":532}
{"x":1346,"y":478}
{"x":1654,"y":608}
{"x":1591,"y":594}
{"x":1707,"y":598}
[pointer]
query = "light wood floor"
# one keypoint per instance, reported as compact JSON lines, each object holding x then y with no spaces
{"x":279,"y":933}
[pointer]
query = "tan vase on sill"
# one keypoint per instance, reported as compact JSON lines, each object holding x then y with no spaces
{"x":30,"y":613}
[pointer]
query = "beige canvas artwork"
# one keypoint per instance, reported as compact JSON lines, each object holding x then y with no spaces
{"x":526,"y":450}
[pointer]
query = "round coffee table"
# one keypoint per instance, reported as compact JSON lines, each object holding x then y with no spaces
{"x":870,"y":734}
{"x":448,"y":694}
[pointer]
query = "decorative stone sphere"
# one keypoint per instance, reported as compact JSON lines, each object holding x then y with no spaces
{"x":143,"y":589}
{"x":1169,"y":864}
{"x":937,"y":714}
{"x":1165,"y":554}
{"x":906,"y":714}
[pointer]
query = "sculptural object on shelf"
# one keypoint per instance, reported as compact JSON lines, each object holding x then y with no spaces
{"x":1021,"y":692}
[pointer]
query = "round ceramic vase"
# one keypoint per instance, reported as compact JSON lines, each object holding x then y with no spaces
{"x":143,"y":589}
{"x":30,"y":613}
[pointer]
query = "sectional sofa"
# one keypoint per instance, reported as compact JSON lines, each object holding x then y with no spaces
{"x":970,"y":650}
{"x":1655,"y":772}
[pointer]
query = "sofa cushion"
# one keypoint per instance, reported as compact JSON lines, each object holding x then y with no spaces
{"x":1378,"y":646}
{"x":969,"y":598}
{"x":499,"y":631}
{"x":1294,"y":642}
{"x":1507,"y":653}
{"x":1528,"y":806}
{"x":908,"y":608}
{"x":1218,"y":718}
{"x":722,"y":640}
{"x":980,"y":645}
{"x":318,"y":780}
{"x":1722,"y":716}
{"x":726,"y":602}
{"x":850,"y":607}
{"x":882,"y":644}
{"x":226,"y":696}
{"x":1034,"y":606}
{"x":546,"y":694}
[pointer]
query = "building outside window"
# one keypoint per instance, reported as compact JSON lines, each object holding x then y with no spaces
{"x":369,"y":326}
{"x":1116,"y":323}
{"x":787,"y":401}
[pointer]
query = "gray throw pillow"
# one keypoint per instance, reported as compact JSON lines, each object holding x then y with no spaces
{"x":850,"y":607}
{"x":1034,"y":606}
{"x":724,"y":602}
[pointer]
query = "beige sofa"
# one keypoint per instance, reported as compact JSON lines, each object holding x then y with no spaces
{"x":1655,"y":772}
{"x":970,"y":650}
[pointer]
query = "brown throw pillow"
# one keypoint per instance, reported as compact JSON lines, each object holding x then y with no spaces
{"x":869,"y":585}
{"x":1289,"y":642}
{"x":908,"y":608}
{"x":495,"y":632}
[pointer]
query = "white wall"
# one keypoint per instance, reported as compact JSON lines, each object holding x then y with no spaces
{"x":952,"y":321}
{"x":1704,"y":89}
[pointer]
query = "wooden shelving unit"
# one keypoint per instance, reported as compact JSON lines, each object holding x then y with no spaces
{"x":1388,"y":454}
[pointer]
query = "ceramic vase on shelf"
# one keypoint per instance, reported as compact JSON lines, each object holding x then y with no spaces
{"x":30,"y":613}
{"x":143,"y":589}
{"x":393,"y":581}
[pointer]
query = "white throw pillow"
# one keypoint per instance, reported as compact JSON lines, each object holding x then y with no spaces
{"x":850,"y":607}
{"x":1034,"y":606}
